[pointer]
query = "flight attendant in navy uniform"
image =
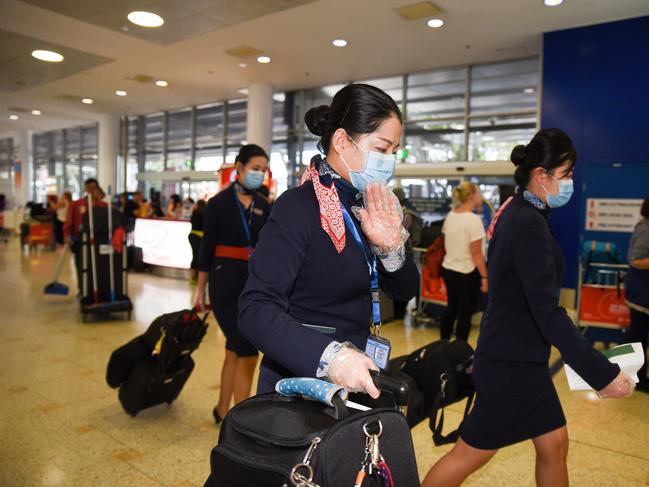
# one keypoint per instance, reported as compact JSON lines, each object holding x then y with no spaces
{"x":327,"y":248}
{"x":515,"y":396}
{"x":232,"y":222}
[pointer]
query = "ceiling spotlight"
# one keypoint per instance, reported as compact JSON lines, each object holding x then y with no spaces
{"x":145,"y":19}
{"x":435,"y":23}
{"x":528,"y":90}
{"x":243,"y":91}
{"x":339,"y":42}
{"x":87,"y":101}
{"x":36,"y":112}
{"x":552,"y":3}
{"x":49,"y":56}
{"x":263,"y":59}
{"x":13,"y":117}
{"x":162,"y":83}
{"x":243,"y":65}
{"x":121,"y":93}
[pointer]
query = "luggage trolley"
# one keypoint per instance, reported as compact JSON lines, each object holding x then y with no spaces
{"x":432,"y":299}
{"x":601,"y":307}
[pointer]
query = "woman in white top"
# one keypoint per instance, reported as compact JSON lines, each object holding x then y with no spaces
{"x":463,"y":268}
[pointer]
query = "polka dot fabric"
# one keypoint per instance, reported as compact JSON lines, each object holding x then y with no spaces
{"x":311,"y":388}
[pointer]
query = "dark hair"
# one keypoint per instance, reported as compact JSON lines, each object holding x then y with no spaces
{"x":200,"y":205}
{"x":249,"y":151}
{"x":357,"y":108}
{"x":90,"y":181}
{"x":644,"y":209}
{"x":175,"y":199}
{"x":548,"y":149}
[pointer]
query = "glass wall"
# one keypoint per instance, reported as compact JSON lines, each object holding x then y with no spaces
{"x":467,"y":113}
{"x":62,"y":160}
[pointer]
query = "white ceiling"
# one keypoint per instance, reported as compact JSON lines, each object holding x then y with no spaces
{"x":298,"y":41}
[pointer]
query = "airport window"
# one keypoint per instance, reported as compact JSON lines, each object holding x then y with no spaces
{"x":439,"y":93}
{"x":179,"y":140}
{"x":62,"y":159}
{"x":154,"y":142}
{"x":6,"y":158}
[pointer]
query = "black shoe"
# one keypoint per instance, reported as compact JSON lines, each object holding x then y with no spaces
{"x":642,"y":386}
{"x":217,"y":417}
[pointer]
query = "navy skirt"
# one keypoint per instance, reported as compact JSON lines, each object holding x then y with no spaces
{"x":515,"y":401}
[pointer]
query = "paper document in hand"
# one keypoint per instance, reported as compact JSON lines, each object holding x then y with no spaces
{"x":630,"y":357}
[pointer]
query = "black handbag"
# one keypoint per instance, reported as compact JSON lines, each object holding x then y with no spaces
{"x":441,"y":372}
{"x":274,"y":441}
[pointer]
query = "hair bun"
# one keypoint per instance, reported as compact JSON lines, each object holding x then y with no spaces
{"x":519,"y":154}
{"x":316,"y":119}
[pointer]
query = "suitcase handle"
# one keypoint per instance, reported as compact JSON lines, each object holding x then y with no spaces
{"x":399,"y":389}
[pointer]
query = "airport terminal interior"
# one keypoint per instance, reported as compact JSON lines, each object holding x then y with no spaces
{"x":148,"y":112}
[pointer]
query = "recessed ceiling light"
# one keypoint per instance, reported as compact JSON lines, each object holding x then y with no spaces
{"x":87,"y":101}
{"x":121,"y":93}
{"x":36,"y":112}
{"x":13,"y":117}
{"x":243,"y":65}
{"x":49,"y":56}
{"x":435,"y":23}
{"x":528,"y":90}
{"x":339,"y":42}
{"x":263,"y":59}
{"x":162,"y":83}
{"x":243,"y":91}
{"x":145,"y":19}
{"x":552,"y":3}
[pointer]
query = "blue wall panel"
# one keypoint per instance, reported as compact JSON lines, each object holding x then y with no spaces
{"x":596,"y":88}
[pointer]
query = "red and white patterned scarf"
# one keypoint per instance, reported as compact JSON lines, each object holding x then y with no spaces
{"x":492,"y":227}
{"x":331,"y":217}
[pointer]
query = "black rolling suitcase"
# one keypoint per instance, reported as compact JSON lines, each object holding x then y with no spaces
{"x":272,"y":440}
{"x":152,"y":368}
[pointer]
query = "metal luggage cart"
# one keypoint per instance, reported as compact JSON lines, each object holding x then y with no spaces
{"x":601,"y":307}
{"x":431,"y":302}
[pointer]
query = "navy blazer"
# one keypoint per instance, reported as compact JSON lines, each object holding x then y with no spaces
{"x":296,"y":277}
{"x":523,"y":316}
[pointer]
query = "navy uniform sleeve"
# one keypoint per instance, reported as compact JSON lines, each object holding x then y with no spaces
{"x":401,"y":285}
{"x":211,"y":226}
{"x":263,"y":307}
{"x":534,"y":261}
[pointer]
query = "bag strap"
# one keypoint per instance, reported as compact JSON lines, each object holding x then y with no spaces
{"x":437,"y":426}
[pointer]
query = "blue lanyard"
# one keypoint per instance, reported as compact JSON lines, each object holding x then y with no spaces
{"x":246,"y":224}
{"x":371,"y":263}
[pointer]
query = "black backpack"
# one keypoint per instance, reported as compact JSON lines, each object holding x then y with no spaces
{"x":441,"y":372}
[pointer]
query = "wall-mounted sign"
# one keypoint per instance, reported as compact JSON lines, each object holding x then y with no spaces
{"x":612,"y":214}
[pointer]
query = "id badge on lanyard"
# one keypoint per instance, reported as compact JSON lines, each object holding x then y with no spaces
{"x":378,"y":348}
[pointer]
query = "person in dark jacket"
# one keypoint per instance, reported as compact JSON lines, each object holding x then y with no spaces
{"x":196,"y":235}
{"x":308,"y":303}
{"x":637,"y":288}
{"x":516,"y":399}
{"x":231,"y":225}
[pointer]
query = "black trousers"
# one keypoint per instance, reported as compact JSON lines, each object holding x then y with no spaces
{"x":463,"y":291}
{"x":639,"y":332}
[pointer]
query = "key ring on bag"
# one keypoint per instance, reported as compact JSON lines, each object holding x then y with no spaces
{"x":299,"y":480}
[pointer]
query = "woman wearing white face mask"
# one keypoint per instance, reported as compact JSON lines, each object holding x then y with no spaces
{"x":314,"y":277}
{"x":231,"y":223}
{"x":515,"y":397}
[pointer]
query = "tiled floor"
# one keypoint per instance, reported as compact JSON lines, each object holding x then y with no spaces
{"x":61,"y":425}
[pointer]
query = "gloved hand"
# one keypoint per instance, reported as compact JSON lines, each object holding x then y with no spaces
{"x":382,"y":219}
{"x":350,"y":368}
{"x":621,"y":386}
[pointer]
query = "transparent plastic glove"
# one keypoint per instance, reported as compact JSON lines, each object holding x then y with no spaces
{"x":621,"y":386}
{"x":382,"y":219}
{"x":350,"y":368}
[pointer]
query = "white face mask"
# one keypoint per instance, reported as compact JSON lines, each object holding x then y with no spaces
{"x":376,"y":167}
